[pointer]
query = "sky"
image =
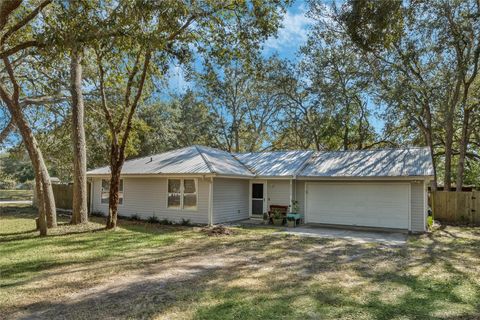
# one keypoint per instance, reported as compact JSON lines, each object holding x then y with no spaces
{"x":286,"y":44}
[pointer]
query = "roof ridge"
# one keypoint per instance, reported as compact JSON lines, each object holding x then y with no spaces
{"x":365,"y":150}
{"x":209,"y":165}
{"x":243,"y":164}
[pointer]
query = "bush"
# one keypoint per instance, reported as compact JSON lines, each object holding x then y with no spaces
{"x":166,"y":222}
{"x":153,"y":219}
{"x":185,"y":222}
{"x":429,"y":222}
{"x":134,"y":217}
{"x":7,"y":184}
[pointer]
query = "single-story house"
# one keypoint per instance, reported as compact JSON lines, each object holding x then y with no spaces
{"x":385,"y":188}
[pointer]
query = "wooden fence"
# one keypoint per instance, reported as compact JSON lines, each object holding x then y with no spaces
{"x":64,"y":196}
{"x":456,"y":207}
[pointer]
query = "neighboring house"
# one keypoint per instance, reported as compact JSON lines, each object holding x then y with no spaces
{"x":384,"y":188}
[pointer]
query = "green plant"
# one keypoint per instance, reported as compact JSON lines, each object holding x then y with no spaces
{"x":135,"y":217}
{"x":295,"y":207}
{"x":153,"y":219}
{"x":429,"y":222}
{"x":185,"y":222}
{"x":277,"y":214}
{"x":166,"y":222}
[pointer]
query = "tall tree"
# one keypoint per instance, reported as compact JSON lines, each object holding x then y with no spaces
{"x":431,"y":48}
{"x":13,"y":23}
{"x":161,"y":32}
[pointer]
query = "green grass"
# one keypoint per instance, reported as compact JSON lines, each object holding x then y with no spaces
{"x":144,"y":270}
{"x":11,"y":195}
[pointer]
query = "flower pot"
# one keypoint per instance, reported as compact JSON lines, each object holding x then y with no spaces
{"x":278,"y":222}
{"x":291,"y":223}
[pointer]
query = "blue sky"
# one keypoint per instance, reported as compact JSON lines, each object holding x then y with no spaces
{"x":286,"y":44}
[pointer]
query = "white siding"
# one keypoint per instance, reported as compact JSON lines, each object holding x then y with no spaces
{"x":230,"y":200}
{"x":147,"y":197}
{"x":278,"y":192}
{"x":418,"y":214}
{"x":300,"y":196}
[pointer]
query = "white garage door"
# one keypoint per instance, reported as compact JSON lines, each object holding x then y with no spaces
{"x":359,"y":204}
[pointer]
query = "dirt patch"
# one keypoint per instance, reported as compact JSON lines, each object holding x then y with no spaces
{"x":217,"y":231}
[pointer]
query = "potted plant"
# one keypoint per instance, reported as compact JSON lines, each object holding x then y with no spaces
{"x":277,"y":217}
{"x":295,"y":207}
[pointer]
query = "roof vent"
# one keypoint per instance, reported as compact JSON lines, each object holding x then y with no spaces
{"x":151,"y":159}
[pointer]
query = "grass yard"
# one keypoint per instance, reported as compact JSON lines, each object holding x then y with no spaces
{"x":12,"y":195}
{"x":165,"y":272}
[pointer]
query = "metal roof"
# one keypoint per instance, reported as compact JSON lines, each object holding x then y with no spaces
{"x":274,"y":164}
{"x":193,"y":159}
{"x":204,"y":160}
{"x":370,"y":163}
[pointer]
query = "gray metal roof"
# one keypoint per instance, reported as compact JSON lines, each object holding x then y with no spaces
{"x":370,"y":163}
{"x":204,"y":160}
{"x":193,"y":159}
{"x":274,"y":164}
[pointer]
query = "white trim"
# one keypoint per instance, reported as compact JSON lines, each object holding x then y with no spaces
{"x":181,"y":208}
{"x":291,"y":196}
{"x":305,"y":210}
{"x":123,"y":192}
{"x":250,"y":199}
{"x":425,"y":204}
{"x":210,"y":202}
{"x":409,"y":206}
{"x":356,"y":179}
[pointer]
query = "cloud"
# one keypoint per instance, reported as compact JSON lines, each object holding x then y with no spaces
{"x":293,"y":32}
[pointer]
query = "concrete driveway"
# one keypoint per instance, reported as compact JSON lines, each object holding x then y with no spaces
{"x":390,"y":238}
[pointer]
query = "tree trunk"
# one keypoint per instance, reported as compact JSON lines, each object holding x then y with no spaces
{"x":79,"y":206}
{"x":447,"y":182}
{"x":463,"y":150}
{"x":43,"y":185}
{"x":113,"y":201}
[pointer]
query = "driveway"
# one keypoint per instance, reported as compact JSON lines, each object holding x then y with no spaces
{"x":390,"y":238}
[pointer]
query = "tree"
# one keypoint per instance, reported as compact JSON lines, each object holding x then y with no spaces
{"x":243,"y":99}
{"x":431,"y":58}
{"x":161,"y":32}
{"x":13,"y":43}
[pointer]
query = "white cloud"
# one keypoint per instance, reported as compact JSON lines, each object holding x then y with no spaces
{"x":292,"y":33}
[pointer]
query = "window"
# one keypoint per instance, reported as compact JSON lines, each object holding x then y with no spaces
{"x":106,"y":189}
{"x":182,"y":194}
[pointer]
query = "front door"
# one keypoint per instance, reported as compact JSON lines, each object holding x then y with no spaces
{"x":257,"y":198}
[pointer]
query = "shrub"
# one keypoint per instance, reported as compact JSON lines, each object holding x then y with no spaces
{"x":7,"y":184}
{"x":153,"y":219}
{"x":185,"y":222}
{"x":134,"y":217}
{"x":166,"y":222}
{"x":429,"y":222}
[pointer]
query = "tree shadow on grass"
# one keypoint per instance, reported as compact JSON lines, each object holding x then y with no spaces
{"x":308,"y":287}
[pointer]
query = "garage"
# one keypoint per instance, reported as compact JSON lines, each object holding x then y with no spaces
{"x":383,"y":205}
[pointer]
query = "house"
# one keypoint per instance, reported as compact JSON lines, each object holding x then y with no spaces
{"x":384,"y":188}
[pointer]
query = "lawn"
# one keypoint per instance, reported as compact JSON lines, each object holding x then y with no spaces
{"x":151,"y":271}
{"x":11,"y":195}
